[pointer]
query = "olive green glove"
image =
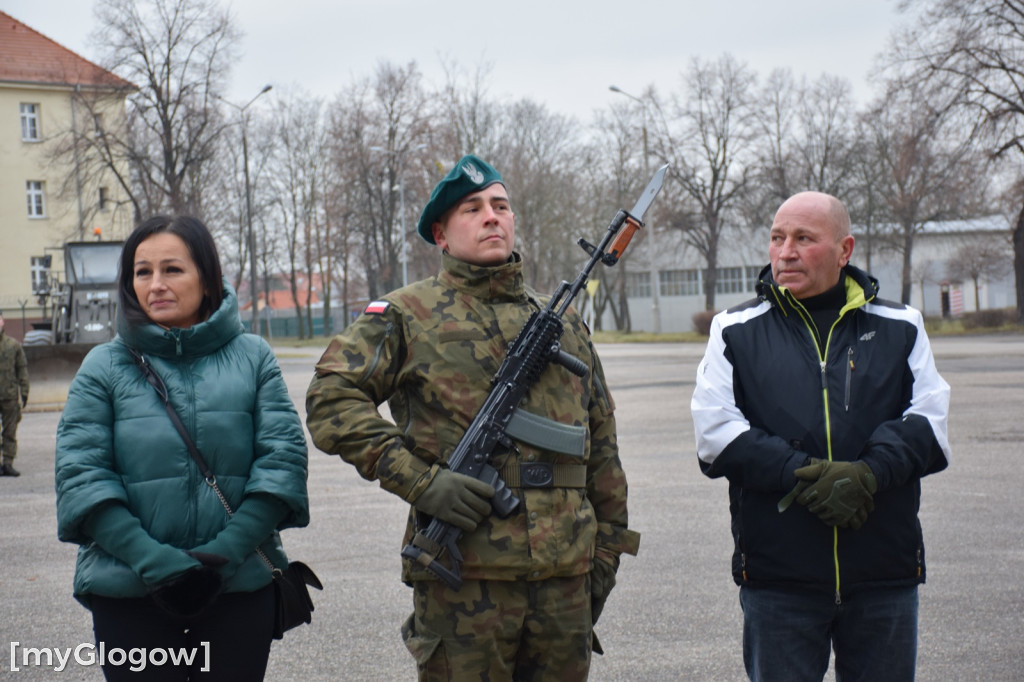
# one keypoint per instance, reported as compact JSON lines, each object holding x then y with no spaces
{"x":602,"y":580}
{"x":839,"y":493}
{"x":454,"y":498}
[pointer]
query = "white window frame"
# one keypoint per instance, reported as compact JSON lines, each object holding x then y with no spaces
{"x":680,"y":282}
{"x":35,"y":198}
{"x":730,"y":280}
{"x":29,"y":121}
{"x":638,"y":284}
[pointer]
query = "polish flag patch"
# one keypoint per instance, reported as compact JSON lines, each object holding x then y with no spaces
{"x":377,"y":307}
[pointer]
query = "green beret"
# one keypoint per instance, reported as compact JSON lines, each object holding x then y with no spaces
{"x":469,"y":175}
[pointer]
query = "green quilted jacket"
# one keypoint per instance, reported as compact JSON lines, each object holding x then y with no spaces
{"x":116,"y":443}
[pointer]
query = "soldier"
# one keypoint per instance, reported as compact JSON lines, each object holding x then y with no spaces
{"x":13,"y":396}
{"x":535,"y":582}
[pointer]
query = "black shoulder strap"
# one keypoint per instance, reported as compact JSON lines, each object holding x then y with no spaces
{"x":161,"y":390}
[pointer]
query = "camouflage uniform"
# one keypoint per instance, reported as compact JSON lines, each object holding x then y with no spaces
{"x":430,"y":350}
{"x":13,"y":390}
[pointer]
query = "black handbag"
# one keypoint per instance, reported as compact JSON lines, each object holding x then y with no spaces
{"x":292,"y":604}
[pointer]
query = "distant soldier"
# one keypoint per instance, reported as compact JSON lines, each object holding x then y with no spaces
{"x":535,"y":582}
{"x":13,"y":396}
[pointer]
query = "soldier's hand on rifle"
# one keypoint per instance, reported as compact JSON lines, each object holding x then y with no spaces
{"x":460,"y":500}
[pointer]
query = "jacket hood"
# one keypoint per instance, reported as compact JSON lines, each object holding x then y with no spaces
{"x":199,"y":339}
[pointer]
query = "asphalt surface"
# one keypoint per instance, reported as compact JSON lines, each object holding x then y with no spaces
{"x":674,"y":614}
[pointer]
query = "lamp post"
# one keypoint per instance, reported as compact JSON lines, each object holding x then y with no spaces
{"x":655,"y":284}
{"x":250,"y":237}
{"x":401,"y":201}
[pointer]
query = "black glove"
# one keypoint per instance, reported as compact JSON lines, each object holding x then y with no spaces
{"x":454,"y":498}
{"x":839,"y":493}
{"x":602,"y":580}
{"x":24,"y":399}
{"x":188,"y":595}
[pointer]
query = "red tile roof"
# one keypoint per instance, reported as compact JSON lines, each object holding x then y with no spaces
{"x":27,"y":56}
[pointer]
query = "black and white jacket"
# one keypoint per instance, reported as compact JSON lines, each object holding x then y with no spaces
{"x":767,"y":399}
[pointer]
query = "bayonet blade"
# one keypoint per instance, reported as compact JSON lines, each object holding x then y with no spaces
{"x":651,"y":191}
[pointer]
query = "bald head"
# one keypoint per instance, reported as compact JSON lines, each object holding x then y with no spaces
{"x":810,"y":243}
{"x":819,"y":207}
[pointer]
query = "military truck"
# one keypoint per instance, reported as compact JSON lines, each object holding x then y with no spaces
{"x":84,"y":304}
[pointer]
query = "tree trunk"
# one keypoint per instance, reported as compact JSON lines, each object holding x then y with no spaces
{"x":1018,"y":263}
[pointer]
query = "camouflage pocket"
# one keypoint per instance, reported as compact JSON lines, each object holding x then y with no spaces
{"x":420,"y":643}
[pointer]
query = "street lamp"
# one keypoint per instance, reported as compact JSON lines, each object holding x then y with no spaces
{"x":251,"y":237}
{"x":655,"y":284}
{"x":401,"y":201}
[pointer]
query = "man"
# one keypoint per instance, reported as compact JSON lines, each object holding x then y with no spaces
{"x":13,"y":397}
{"x":819,"y":391}
{"x":534,"y":582}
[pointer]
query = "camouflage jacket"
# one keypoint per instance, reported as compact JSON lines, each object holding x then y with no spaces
{"x":430,"y":350}
{"x":13,"y":369}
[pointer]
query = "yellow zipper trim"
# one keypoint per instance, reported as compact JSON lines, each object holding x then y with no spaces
{"x":854,"y":299}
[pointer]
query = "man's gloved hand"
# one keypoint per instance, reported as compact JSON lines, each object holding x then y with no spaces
{"x":602,"y":580}
{"x":839,"y":493}
{"x":24,"y":399}
{"x":460,"y":500}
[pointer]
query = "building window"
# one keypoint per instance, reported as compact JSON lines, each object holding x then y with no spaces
{"x":680,"y":282}
{"x":29,"y":122}
{"x":752,"y":271}
{"x":34,"y":199}
{"x":97,"y":120}
{"x":40,"y":270}
{"x":104,"y":199}
{"x":730,"y":281}
{"x":638,"y":284}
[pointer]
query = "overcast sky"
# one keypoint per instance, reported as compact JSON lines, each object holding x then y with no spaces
{"x":561,"y":53}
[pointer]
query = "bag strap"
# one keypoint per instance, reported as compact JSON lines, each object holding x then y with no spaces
{"x":211,"y":480}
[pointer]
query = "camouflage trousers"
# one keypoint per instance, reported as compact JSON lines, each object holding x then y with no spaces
{"x":10,"y":415}
{"x":500,"y":631}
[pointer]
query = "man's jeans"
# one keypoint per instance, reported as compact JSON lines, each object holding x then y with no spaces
{"x":787,"y":635}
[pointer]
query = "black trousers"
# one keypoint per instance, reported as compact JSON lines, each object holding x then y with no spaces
{"x":141,"y":642}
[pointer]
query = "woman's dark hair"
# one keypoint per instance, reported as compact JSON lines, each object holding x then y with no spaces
{"x":200,"y":246}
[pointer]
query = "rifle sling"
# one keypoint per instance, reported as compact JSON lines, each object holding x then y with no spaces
{"x":548,"y":434}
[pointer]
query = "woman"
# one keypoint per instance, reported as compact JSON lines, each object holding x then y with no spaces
{"x":161,"y":565}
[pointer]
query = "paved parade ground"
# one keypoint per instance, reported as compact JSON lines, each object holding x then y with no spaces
{"x":675,"y":612}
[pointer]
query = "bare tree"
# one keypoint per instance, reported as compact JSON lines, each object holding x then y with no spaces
{"x":806,"y":141}
{"x":981,"y":258}
{"x":298,"y":182}
{"x":975,"y":50}
{"x":178,"y":53}
{"x":707,"y":136}
{"x":931,"y":170}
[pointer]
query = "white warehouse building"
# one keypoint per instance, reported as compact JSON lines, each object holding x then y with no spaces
{"x":937,"y":289}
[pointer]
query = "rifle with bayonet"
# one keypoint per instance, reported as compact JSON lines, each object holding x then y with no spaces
{"x":534,"y":348}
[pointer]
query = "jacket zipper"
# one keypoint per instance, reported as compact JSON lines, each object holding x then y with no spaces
{"x":823,"y":364}
{"x":378,"y":353}
{"x":849,"y":377}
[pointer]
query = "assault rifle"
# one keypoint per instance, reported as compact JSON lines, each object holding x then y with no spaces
{"x":536,"y":345}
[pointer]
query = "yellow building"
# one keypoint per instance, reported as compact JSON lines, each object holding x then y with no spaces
{"x":56,"y":109}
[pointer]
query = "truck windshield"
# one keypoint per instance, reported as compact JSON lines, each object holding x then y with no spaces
{"x":92,"y":263}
